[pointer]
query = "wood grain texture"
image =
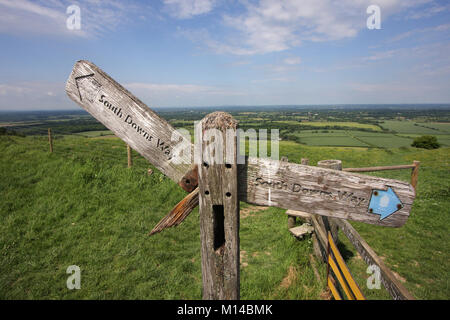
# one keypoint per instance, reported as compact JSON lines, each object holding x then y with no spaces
{"x":291,"y":219}
{"x":178,"y":213}
{"x":128,"y":118}
{"x":390,"y":282}
{"x":300,"y":214}
{"x":320,"y":243}
{"x":219,"y":209}
{"x":380,"y":168}
{"x":320,"y":191}
{"x":330,"y":224}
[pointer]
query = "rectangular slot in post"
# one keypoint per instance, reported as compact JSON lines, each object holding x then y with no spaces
{"x":219,"y":228}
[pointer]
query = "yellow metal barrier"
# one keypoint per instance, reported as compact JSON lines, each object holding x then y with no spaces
{"x":342,"y":273}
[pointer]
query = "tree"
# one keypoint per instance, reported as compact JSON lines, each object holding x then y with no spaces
{"x":426,"y":142}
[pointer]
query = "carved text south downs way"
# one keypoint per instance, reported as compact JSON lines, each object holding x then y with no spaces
{"x":308,"y":192}
{"x":118,"y":112}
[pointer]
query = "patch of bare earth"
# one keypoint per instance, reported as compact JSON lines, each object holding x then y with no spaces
{"x":251,"y":211}
{"x":243,"y":258}
{"x":326,"y":295}
{"x":290,"y":278}
{"x":399,"y":277}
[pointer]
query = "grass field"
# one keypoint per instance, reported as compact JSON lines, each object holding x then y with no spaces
{"x":439,"y":126}
{"x":332,"y":141}
{"x":315,"y":133}
{"x":353,"y":139}
{"x":406,"y":131}
{"x":92,"y":134}
{"x":408,"y":127}
{"x":82,"y":206}
{"x":348,"y":124}
{"x":388,"y":140}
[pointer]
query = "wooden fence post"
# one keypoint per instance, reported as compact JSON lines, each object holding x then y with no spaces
{"x":216,"y":154}
{"x":130,"y":160}
{"x":50,"y":139}
{"x":415,"y":174}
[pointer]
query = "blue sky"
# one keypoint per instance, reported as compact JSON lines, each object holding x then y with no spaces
{"x":173,"y":53}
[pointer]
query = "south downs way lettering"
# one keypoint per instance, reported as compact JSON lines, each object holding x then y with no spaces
{"x":139,"y":129}
{"x":309,"y":192}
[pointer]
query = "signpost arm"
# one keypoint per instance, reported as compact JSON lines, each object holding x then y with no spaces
{"x":219,"y":206}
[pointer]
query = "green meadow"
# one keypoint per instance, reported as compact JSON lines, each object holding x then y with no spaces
{"x":82,"y":206}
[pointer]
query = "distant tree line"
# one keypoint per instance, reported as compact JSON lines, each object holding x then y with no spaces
{"x":10,"y":132}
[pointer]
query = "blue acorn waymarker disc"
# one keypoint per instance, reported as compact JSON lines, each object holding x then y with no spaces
{"x":384,"y":203}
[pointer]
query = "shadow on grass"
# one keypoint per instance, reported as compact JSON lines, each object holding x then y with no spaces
{"x":345,"y":253}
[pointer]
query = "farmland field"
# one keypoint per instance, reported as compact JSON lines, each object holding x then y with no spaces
{"x":321,"y":133}
{"x":439,"y":126}
{"x":332,"y":124}
{"x":407,"y":127}
{"x":332,"y":141}
{"x":387,"y":140}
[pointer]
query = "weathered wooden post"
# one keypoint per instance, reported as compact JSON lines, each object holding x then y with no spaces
{"x":329,"y":222}
{"x":216,"y":155}
{"x":292,"y":219}
{"x":415,"y":174}
{"x":326,"y":223}
{"x":130,"y":160}
{"x":50,"y":139}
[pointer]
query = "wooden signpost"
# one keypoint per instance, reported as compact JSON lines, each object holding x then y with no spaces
{"x":217,"y":182}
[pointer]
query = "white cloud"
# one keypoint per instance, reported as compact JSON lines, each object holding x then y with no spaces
{"x":381,"y":55}
{"x":33,"y":95}
{"x":184,"y":9}
{"x":428,"y":12}
{"x":415,"y":32}
{"x":173,"y":88}
{"x":169,"y":94}
{"x":273,"y":26}
{"x":292,"y":60}
{"x":49,"y":17}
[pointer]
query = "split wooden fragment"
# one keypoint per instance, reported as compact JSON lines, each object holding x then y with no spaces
{"x":178,"y":213}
